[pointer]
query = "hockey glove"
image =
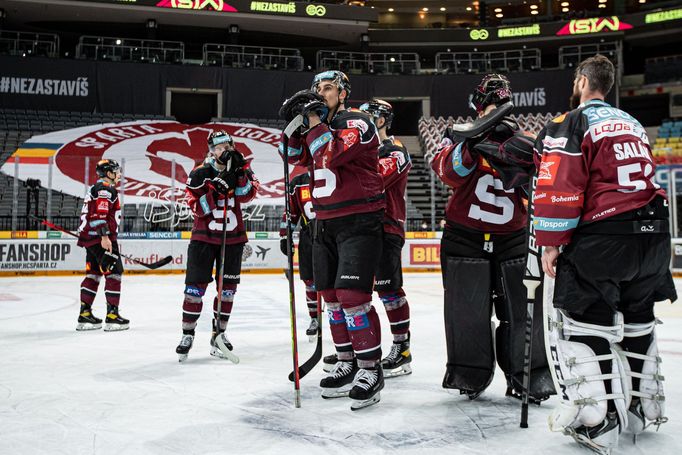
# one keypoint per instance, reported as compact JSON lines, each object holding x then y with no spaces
{"x":108,"y":262}
{"x":303,"y":102}
{"x":220,"y":183}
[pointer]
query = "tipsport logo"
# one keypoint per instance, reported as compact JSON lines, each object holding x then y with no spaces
{"x":315,"y":10}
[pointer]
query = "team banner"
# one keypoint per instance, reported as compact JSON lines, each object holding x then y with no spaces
{"x":153,"y":153}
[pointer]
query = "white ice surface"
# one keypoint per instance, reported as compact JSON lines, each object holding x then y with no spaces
{"x":65,"y":392}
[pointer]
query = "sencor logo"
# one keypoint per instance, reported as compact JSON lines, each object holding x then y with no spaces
{"x":315,"y":10}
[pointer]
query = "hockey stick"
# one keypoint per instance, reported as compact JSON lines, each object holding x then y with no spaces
{"x":152,"y":266}
{"x":309,"y":364}
{"x":221,"y":272}
{"x":288,"y":131}
{"x":531,"y":280}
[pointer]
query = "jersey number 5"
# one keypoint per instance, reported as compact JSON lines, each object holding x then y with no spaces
{"x":216,"y":223}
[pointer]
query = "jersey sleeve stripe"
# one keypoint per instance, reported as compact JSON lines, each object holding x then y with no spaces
{"x":320,"y":142}
{"x":292,"y":151}
{"x":457,"y":164}
{"x":203,"y":201}
{"x":243,"y":190}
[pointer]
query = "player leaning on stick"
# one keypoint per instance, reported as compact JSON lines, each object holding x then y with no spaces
{"x":603,"y":222}
{"x":97,"y":233}
{"x":339,"y":147}
{"x":483,"y":250}
{"x":394,"y":165}
{"x":216,"y":190}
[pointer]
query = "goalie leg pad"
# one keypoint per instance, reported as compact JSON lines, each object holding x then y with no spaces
{"x":468,"y":332}
{"x":580,"y":379}
{"x":640,"y":353}
{"x":511,"y":310}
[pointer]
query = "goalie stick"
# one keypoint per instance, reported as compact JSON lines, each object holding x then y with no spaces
{"x":152,"y":266}
{"x":531,"y":280}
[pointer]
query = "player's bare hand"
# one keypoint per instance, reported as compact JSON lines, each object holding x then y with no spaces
{"x":106,"y":243}
{"x":549,"y":257}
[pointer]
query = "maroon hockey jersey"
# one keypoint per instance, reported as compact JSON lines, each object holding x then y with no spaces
{"x":100,"y":215}
{"x":208,"y":205}
{"x":394,"y":164}
{"x":300,"y":203}
{"x":594,"y":162}
{"x":342,"y":160}
{"x":479,"y":200}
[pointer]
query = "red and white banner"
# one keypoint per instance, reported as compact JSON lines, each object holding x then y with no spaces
{"x":151,"y":151}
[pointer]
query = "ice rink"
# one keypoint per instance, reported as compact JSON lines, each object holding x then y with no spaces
{"x":64,"y":392}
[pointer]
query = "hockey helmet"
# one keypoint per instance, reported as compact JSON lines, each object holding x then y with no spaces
{"x":105,"y":166}
{"x":379,"y":108}
{"x":339,"y":79}
{"x":493,"y":89}
{"x":219,"y":137}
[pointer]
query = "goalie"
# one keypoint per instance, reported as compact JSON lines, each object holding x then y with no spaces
{"x":483,"y":249}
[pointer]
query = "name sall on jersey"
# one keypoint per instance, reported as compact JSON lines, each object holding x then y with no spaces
{"x":628,"y":150}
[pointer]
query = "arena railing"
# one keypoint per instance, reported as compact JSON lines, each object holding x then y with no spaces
{"x":571,"y":56}
{"x":492,"y":61}
{"x":129,"y":50}
{"x":368,"y":62}
{"x":29,"y":44}
{"x":282,"y":58}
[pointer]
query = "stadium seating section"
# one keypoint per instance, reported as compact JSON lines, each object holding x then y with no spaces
{"x":668,"y":145}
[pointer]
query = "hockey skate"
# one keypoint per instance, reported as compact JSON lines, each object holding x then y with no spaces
{"x":222,"y":348}
{"x":366,"y":387}
{"x":329,"y":361}
{"x":87,"y":320}
{"x":311,"y":331}
{"x":601,"y":439}
{"x":339,"y":381}
{"x":637,"y":421}
{"x":114,"y":321}
{"x":397,"y":362}
{"x":185,"y":345}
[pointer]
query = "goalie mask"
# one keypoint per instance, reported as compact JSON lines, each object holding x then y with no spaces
{"x":493,"y":89}
{"x":379,"y":108}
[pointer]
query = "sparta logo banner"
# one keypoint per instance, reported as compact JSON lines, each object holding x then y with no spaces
{"x":156,"y":157}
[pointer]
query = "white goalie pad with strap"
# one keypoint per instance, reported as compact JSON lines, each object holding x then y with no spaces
{"x":578,"y":375}
{"x":650,"y":390}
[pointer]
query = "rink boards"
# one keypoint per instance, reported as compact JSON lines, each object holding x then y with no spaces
{"x":47,"y":253}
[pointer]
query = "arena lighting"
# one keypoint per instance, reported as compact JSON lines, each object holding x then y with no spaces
{"x":642,"y":1}
{"x":118,"y":42}
{"x":533,"y":6}
{"x":498,"y":10}
{"x":564,"y":3}
{"x":425,"y":9}
{"x":422,"y":15}
{"x":534,"y":11}
{"x":468,"y":8}
{"x":442,"y":8}
{"x":499,"y":15}
{"x":603,"y":1}
{"x":390,"y":10}
{"x":564,"y":10}
{"x":392,"y":59}
{"x":602,"y":5}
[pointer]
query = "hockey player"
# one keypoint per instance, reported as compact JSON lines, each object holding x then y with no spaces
{"x":603,"y":222}
{"x":339,"y":147}
{"x":394,"y":164}
{"x":215,"y":190}
{"x":97,"y":233}
{"x":483,"y":250}
{"x":302,"y":210}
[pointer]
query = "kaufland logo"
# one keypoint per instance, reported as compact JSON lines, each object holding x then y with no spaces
{"x":593,"y":25}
